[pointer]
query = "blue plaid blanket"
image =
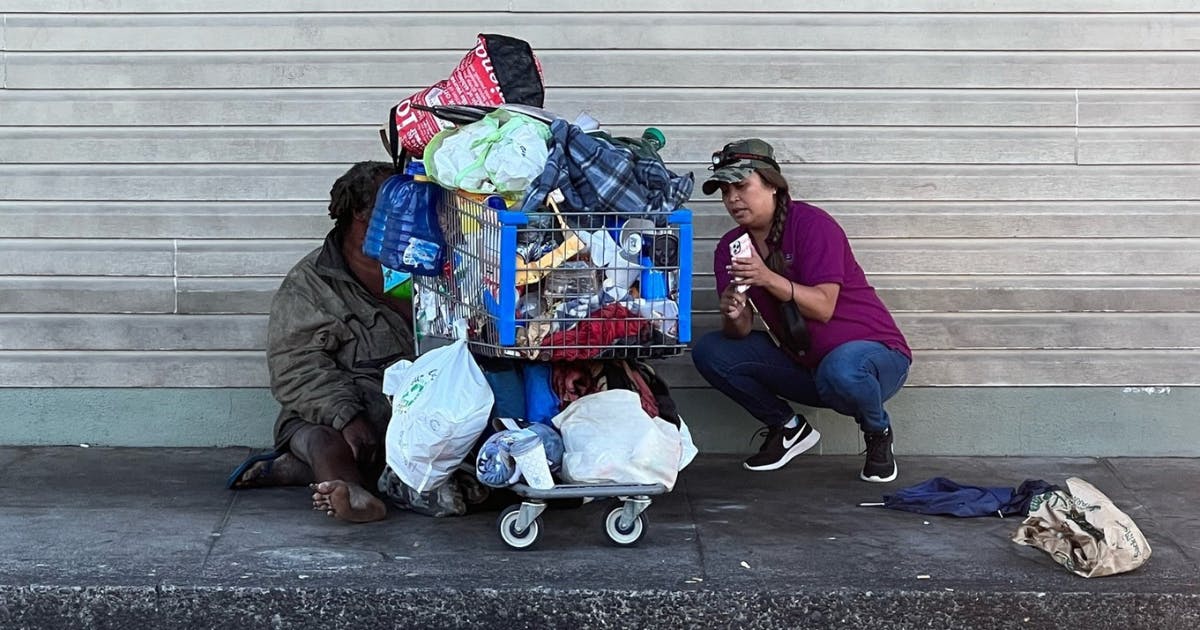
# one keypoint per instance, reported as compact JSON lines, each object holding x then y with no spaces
{"x":596,"y":176}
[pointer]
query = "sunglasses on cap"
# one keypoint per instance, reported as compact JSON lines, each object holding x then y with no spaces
{"x":721,"y":159}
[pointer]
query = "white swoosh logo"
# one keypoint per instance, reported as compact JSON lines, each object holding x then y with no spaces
{"x":792,"y":442}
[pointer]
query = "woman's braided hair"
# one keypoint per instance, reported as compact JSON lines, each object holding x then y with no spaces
{"x":775,"y":261}
{"x":354,"y":191}
{"x":795,"y":331}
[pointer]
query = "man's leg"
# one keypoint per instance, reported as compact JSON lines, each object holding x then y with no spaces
{"x":340,"y":491}
{"x":855,"y":379}
{"x":757,"y":375}
{"x":284,"y":470}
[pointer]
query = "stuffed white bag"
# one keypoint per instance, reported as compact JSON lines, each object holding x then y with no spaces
{"x":608,"y":438}
{"x":518,"y":158}
{"x":440,"y":407}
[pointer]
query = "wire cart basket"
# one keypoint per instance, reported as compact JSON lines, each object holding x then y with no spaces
{"x":550,"y":286}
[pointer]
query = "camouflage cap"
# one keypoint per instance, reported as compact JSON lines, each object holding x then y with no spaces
{"x":737,"y":160}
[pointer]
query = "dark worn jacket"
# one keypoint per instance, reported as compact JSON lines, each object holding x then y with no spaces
{"x":328,"y":342}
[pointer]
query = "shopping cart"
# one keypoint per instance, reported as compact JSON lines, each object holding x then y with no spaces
{"x":556,"y":286}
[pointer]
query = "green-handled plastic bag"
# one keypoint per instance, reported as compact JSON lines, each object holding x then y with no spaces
{"x":503,"y":153}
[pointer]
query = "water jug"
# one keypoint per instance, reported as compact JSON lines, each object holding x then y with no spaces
{"x":412,"y":239}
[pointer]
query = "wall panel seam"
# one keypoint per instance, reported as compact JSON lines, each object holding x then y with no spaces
{"x":1077,"y":127}
{"x":3,"y":51}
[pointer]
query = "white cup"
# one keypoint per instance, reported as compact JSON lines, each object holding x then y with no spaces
{"x":530,"y":455}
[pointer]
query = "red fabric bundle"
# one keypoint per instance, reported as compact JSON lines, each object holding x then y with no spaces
{"x":602,"y":328}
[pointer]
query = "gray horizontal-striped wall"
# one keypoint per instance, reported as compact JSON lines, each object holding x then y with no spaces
{"x":1020,"y":179}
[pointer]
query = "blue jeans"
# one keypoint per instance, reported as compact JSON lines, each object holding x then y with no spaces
{"x":854,"y":379}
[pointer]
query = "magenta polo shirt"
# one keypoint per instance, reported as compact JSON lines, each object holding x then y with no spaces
{"x":816,"y":251}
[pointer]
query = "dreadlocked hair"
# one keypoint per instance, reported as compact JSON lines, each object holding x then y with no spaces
{"x":354,"y":191}
{"x":783,"y":200}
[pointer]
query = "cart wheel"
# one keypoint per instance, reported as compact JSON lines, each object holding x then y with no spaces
{"x":628,"y":536}
{"x":511,"y":535}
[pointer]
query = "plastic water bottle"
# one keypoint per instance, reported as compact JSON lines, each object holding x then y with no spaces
{"x":653,"y":282}
{"x":648,"y":146}
{"x":413,"y":239}
{"x":644,"y":148}
{"x":377,"y":228}
{"x":654,"y":138}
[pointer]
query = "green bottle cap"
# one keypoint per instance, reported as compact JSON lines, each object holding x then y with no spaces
{"x":655,"y":135}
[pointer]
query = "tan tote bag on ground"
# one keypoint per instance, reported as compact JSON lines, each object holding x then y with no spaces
{"x":1083,"y":531}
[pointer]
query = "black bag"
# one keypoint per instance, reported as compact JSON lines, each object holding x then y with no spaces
{"x":795,"y":329}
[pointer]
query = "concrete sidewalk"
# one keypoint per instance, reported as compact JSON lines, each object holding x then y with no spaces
{"x":142,"y":538}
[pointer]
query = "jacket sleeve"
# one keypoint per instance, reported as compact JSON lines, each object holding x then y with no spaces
{"x":302,"y":340}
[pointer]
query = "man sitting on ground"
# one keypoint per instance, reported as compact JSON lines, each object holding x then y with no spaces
{"x":332,"y":331}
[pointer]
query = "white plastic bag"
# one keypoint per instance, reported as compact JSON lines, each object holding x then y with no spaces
{"x":394,"y":377}
{"x":608,"y":438}
{"x":516,"y":159}
{"x":440,"y":407}
{"x":458,"y":161}
{"x":689,"y":446}
{"x":501,"y":153}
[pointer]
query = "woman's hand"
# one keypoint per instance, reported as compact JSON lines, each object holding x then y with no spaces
{"x":751,"y":271}
{"x":733,"y":302}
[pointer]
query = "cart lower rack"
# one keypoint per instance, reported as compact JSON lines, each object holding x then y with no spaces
{"x":624,"y":522}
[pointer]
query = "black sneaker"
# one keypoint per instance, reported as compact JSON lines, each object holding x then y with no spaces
{"x":781,"y":445}
{"x":880,"y":466}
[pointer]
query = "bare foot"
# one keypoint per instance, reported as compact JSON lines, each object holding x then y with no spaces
{"x":347,"y":502}
{"x":285,"y":470}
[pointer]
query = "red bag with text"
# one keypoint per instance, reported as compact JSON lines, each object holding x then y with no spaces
{"x":500,"y":69}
